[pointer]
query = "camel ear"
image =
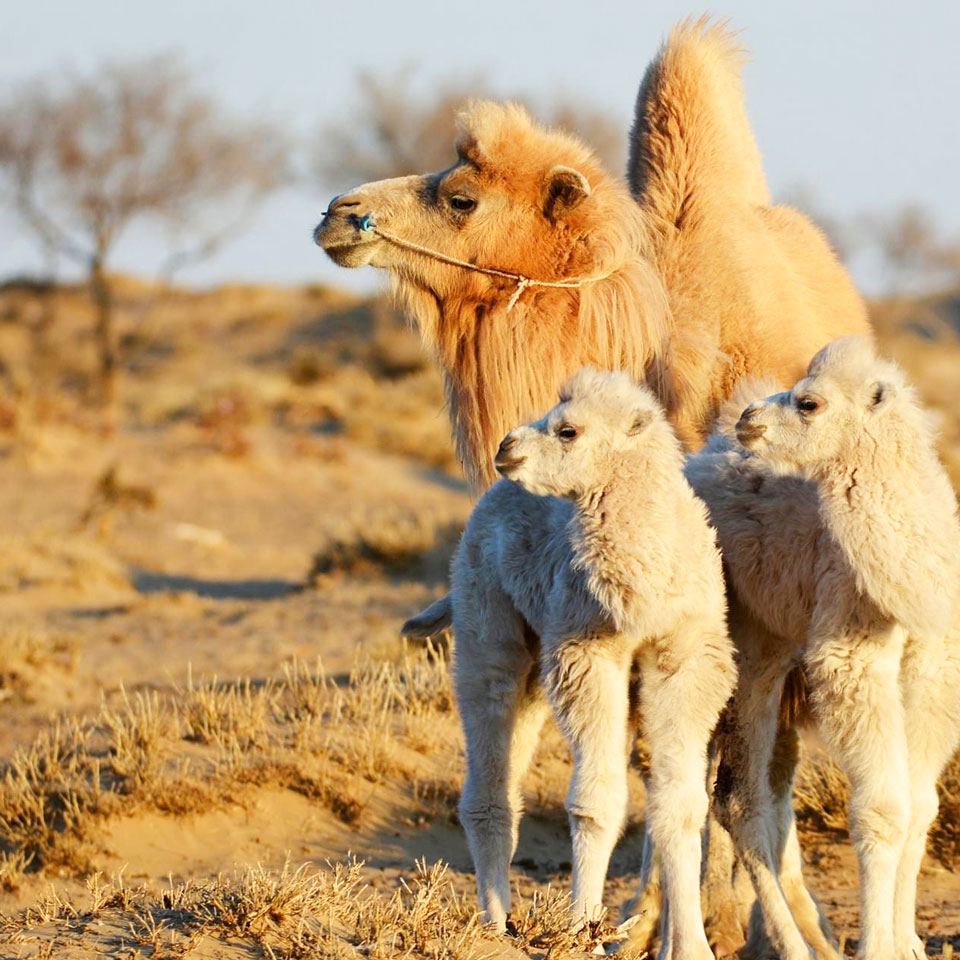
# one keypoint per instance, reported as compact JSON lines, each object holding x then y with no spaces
{"x":469,"y":149}
{"x":641,"y":420}
{"x":563,"y":191}
{"x":880,"y":395}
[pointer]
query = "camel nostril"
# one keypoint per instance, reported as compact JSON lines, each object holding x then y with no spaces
{"x":506,"y":445}
{"x":343,"y":201}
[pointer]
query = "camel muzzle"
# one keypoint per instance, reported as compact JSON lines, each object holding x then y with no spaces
{"x":344,"y":228}
{"x":504,"y":463}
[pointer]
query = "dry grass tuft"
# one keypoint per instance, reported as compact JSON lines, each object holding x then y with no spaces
{"x":69,"y":562}
{"x":300,"y":913}
{"x":387,"y":542}
{"x":50,"y":797}
{"x":335,"y":743}
{"x":27,"y":653}
{"x":110,"y":494}
{"x":821,"y":795}
{"x":944,"y":840}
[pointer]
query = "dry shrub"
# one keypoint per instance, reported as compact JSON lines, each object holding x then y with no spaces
{"x":72,"y":562}
{"x":110,"y":494}
{"x":401,"y":416}
{"x":944,"y":841}
{"x":821,"y":795}
{"x":26,"y":653}
{"x":233,"y":716}
{"x":300,"y":913}
{"x":50,"y":794}
{"x":388,"y":541}
{"x":289,"y":914}
{"x":335,"y":743}
{"x":309,"y":366}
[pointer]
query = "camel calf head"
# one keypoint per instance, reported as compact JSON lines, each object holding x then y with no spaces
{"x":843,"y":398}
{"x":576,"y":447}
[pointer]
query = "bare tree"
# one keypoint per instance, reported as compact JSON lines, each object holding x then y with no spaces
{"x":912,"y":249}
{"x":391,"y":131}
{"x":81,"y":160}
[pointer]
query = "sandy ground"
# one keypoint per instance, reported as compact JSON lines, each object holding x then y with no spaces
{"x":209,"y":581}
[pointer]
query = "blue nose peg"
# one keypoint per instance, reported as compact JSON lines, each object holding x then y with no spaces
{"x":367,"y":222}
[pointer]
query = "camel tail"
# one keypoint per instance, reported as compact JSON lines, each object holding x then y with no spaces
{"x":435,"y":619}
{"x":691,"y":138}
{"x":795,"y":700}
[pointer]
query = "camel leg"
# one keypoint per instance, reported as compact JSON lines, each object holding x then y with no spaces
{"x":681,"y":700}
{"x":814,"y":926}
{"x":502,"y":712}
{"x":726,"y":893}
{"x":855,"y":694}
{"x":745,"y":802}
{"x":648,"y":903}
{"x":588,"y":687}
{"x":928,"y":684}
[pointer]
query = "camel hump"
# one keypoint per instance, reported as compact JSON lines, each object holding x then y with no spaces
{"x":691,"y":138}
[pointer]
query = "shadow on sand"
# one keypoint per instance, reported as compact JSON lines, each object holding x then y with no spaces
{"x":147,"y":581}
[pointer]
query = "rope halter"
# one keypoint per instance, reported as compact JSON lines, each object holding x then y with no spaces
{"x":367,"y":223}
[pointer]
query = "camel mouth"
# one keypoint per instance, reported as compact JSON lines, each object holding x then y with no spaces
{"x":507,"y":465}
{"x":344,"y":242}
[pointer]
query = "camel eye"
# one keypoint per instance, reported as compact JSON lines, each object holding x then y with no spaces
{"x":462,"y":204}
{"x":568,"y":433}
{"x":808,"y":405}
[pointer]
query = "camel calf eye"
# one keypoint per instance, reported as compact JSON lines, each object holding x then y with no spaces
{"x":807,"y":404}
{"x":461,"y":203}
{"x":568,"y":432}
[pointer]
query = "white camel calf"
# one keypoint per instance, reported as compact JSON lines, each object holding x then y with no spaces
{"x":595,"y":556}
{"x":876,"y":587}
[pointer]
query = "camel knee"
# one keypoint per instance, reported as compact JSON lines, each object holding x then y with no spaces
{"x":880,"y":821}
{"x":597,"y":807}
{"x":676,"y":813}
{"x":485,"y":810}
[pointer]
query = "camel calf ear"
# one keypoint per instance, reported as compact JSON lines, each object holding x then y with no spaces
{"x":564,"y":190}
{"x":881,"y":395}
{"x":641,"y":420}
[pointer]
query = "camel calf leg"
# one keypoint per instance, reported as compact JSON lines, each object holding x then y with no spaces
{"x":588,"y":687}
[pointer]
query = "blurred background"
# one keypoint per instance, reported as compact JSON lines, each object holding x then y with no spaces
{"x":851,"y":103}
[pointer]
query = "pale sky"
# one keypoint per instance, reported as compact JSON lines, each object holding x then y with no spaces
{"x":857,"y":100}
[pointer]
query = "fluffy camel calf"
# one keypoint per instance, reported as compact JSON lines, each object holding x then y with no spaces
{"x":871,"y":597}
{"x":596,"y":556}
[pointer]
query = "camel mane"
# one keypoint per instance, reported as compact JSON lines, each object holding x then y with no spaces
{"x":503,"y":368}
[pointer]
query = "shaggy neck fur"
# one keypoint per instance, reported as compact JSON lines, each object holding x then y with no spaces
{"x":889,"y":506}
{"x":504,"y":368}
{"x":619,"y":530}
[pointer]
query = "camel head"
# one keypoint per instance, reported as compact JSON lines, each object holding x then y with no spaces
{"x":846,"y":395}
{"x":525,"y":202}
{"x":519,"y":199}
{"x":576,"y":447}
